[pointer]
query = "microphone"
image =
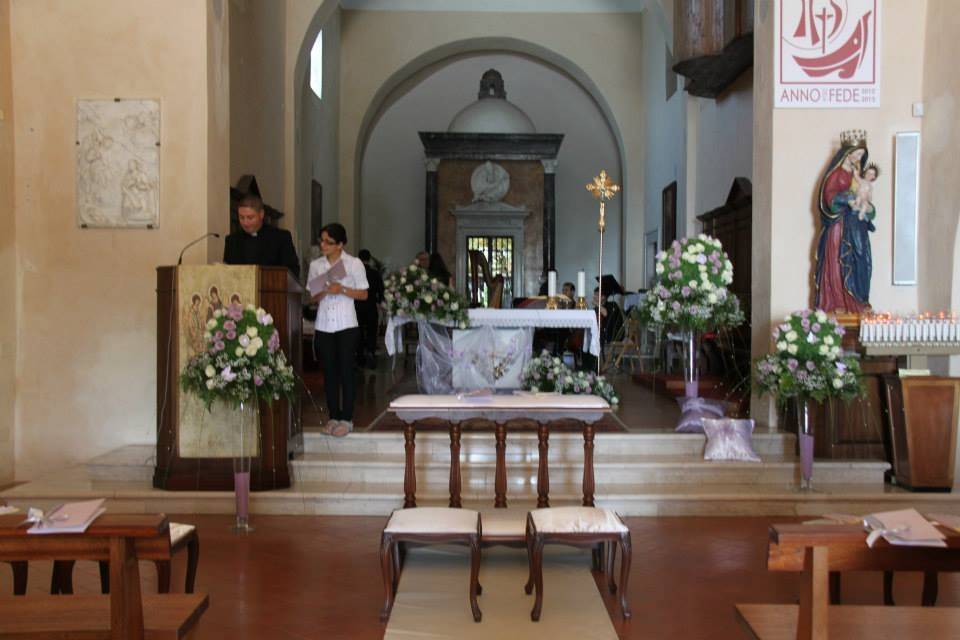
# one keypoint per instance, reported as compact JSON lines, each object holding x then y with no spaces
{"x":204,"y":236}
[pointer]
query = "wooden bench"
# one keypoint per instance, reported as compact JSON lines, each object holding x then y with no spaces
{"x":121,"y":615}
{"x":818,"y":550}
{"x":499,"y":409}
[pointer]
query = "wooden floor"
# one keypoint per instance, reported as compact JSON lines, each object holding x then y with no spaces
{"x":318,"y":577}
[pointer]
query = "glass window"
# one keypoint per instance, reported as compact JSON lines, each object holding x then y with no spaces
{"x":316,"y":66}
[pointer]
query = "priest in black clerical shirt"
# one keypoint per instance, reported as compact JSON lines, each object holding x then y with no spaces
{"x":259,"y":243}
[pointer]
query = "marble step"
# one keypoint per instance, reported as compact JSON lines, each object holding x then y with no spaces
{"x":480,"y":471}
{"x":379,"y":499}
{"x":524,"y":444}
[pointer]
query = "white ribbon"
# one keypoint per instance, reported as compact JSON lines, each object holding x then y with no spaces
{"x":39,"y":519}
{"x":876,"y":534}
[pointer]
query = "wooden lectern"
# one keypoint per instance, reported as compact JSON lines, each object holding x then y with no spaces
{"x":281,"y":427}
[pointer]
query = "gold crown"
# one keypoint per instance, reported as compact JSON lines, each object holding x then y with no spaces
{"x":853,"y":138}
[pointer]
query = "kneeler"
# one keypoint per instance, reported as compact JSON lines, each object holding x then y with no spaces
{"x":579,"y":527}
{"x":420,"y":526}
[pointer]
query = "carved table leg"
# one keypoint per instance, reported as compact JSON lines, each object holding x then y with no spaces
{"x":588,"y":485}
{"x":500,"y":480}
{"x":455,"y":465}
{"x":409,"y":471}
{"x":543,"y":472}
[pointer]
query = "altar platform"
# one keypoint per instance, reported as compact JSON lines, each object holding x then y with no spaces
{"x":643,"y":469}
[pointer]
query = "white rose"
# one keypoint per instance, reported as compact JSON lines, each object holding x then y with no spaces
{"x":792,"y":349}
{"x":828,"y":340}
{"x":712,"y":298}
{"x":661,"y":305}
{"x":824,"y":350}
{"x":211,"y":324}
{"x":781,"y":346}
{"x":834,"y":349}
{"x":207,"y":335}
{"x":446,"y":296}
{"x":821,"y":316}
{"x":252,"y":332}
{"x":238,"y":351}
{"x":257,"y":342}
{"x":428,"y":298}
{"x":659,"y":268}
{"x":409,"y":288}
{"x":791,"y":336}
{"x":210,"y":371}
{"x":454,"y":306}
{"x":693,"y":284}
{"x":251,"y":350}
{"x":218,"y":313}
{"x":210,"y":384}
{"x":837,"y":383}
{"x":244,"y":340}
{"x":267,"y":320}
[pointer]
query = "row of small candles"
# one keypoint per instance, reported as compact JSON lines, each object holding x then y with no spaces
{"x":922,"y":328}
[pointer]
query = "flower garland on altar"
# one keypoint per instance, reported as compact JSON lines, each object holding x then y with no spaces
{"x":547,"y":374}
{"x":808,"y":361}
{"x":242,"y":361}
{"x":691,"y":292}
{"x":412,"y":293}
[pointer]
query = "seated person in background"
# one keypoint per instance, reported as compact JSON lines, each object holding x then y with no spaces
{"x":259,"y":243}
{"x":437,"y":268}
{"x":569,"y":291}
{"x":367,"y":316}
{"x":422,"y":260}
{"x":610,"y":320}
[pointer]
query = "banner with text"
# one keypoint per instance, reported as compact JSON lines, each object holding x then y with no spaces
{"x":826,"y":54}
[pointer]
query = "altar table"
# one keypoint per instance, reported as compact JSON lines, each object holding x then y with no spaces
{"x":585,"y":319}
{"x":541,"y":407}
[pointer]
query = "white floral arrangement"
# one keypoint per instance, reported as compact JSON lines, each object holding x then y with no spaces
{"x":808,"y":361}
{"x":691,"y":287}
{"x":242,"y":360}
{"x":547,"y":374}
{"x":412,"y":293}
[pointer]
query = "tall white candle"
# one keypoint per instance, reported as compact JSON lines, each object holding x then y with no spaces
{"x":551,"y":283}
{"x":581,"y":283}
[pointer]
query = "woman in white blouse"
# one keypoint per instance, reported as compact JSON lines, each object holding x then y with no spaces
{"x":337,"y":331}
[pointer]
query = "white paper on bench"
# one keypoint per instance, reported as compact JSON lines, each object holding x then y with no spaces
{"x":72,"y":517}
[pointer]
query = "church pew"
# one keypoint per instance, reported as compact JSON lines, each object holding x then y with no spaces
{"x":819,"y":550}
{"x":121,"y":615}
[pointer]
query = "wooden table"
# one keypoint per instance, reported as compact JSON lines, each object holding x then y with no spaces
{"x":499,"y":409}
{"x":119,"y":538}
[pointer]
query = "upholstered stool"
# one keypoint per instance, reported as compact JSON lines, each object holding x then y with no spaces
{"x":424,"y":526}
{"x":579,"y":527}
{"x":182,"y":536}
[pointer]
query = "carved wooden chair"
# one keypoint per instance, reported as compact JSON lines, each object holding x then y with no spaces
{"x":419,"y":526}
{"x":579,"y":527}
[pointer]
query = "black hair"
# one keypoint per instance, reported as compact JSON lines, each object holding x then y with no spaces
{"x":251,"y":201}
{"x":364,"y":255}
{"x":336,"y":232}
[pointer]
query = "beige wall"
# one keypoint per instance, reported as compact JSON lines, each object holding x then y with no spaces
{"x":794,"y":145}
{"x":377,"y":44}
{"x":940,"y":162}
{"x":257,"y":30}
{"x":86,"y":346}
{"x":8,"y":259}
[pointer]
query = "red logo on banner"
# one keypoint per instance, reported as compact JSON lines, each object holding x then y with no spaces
{"x":828,"y":42}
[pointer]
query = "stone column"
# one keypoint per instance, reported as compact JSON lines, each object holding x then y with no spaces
{"x":430,"y":212}
{"x":549,"y":213}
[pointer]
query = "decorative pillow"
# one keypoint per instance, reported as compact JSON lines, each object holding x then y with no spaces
{"x":729,"y":439}
{"x":694,"y":410}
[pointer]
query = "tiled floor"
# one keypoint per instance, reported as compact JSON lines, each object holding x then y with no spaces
{"x":318,"y":577}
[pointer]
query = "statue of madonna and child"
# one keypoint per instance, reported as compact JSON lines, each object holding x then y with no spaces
{"x":844,"y":261}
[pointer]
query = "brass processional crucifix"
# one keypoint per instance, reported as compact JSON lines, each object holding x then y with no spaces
{"x":603,"y":189}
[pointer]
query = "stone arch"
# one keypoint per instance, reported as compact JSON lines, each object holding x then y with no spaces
{"x":410,"y":74}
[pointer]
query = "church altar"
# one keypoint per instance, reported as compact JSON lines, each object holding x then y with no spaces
{"x":585,"y":319}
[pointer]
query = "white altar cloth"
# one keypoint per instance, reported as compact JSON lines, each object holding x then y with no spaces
{"x":585,"y":319}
